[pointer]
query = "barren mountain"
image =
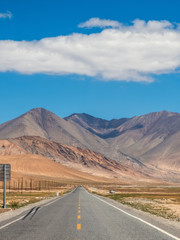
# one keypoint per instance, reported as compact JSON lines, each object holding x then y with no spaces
{"x":38,"y":167}
{"x":81,"y":159}
{"x":100,"y":127}
{"x":138,"y":142}
{"x":153,"y":138}
{"x":43,"y":123}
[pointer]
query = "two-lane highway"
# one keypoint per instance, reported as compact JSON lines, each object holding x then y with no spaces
{"x":80,"y":216}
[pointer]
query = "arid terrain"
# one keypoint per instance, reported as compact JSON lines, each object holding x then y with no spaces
{"x":47,"y":152}
{"x":81,"y":160}
{"x":144,"y":148}
{"x":37,"y":167}
{"x":162,"y":201}
{"x":151,"y":138}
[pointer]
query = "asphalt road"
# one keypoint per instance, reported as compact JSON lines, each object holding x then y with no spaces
{"x":80,"y":216}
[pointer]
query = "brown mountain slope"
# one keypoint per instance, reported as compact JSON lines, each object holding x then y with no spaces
{"x":100,"y":127}
{"x":152,"y":138}
{"x":74,"y":157}
{"x":149,"y":139}
{"x":40,"y":122}
{"x":43,"y":123}
{"x":34,"y":166}
{"x":84,"y":160}
{"x":166,"y":154}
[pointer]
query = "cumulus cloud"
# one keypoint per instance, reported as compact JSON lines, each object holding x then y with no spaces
{"x":6,"y":15}
{"x":130,"y":53}
{"x":101,"y":23}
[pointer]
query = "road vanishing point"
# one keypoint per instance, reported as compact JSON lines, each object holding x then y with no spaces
{"x":80,"y":216}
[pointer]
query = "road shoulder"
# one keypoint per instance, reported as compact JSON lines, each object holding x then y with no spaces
{"x":169,"y":226}
{"x":13,"y":214}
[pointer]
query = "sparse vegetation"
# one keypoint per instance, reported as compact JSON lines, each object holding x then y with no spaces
{"x":17,"y":200}
{"x":148,"y":203}
{"x":14,"y":204}
{"x":160,"y":201}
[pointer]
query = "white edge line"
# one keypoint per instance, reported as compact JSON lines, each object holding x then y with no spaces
{"x":11,"y":222}
{"x":54,"y":201}
{"x":58,"y":199}
{"x":6,"y":225}
{"x":151,"y":225}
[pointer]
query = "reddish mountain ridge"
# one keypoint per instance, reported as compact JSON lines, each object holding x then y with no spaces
{"x":83,"y":160}
{"x":74,"y":157}
{"x":141,"y":143}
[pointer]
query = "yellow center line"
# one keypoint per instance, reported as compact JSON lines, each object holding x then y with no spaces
{"x":78,"y":226}
{"x":79,"y":216}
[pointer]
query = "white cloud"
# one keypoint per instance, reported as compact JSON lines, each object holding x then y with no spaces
{"x":6,"y":15}
{"x":131,"y":53}
{"x":101,"y":23}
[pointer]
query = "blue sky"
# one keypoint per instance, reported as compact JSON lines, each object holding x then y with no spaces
{"x":115,"y":59}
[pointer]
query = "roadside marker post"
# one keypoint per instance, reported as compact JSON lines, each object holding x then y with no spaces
{"x":5,"y":175}
{"x":4,"y":196}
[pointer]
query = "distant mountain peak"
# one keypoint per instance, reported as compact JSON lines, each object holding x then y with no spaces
{"x":137,"y":137}
{"x":82,"y":115}
{"x":39,"y":110}
{"x":161,"y":113}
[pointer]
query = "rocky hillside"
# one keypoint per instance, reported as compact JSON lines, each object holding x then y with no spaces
{"x":77,"y":158}
{"x":43,"y":123}
{"x":151,"y":139}
{"x":83,"y":160}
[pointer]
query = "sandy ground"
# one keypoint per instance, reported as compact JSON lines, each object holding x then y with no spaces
{"x":35,"y":165}
{"x":167,"y":206}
